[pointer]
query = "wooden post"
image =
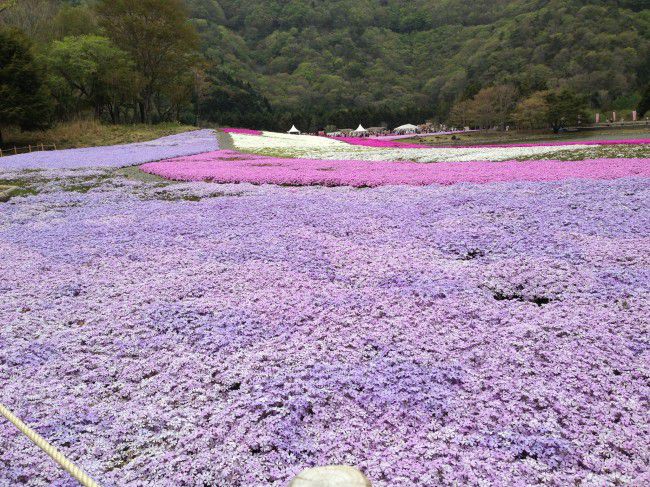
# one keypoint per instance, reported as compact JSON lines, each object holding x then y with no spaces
{"x":30,"y":147}
{"x":15,"y":150}
{"x":0,"y":151}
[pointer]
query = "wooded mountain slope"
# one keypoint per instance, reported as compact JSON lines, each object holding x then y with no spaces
{"x":427,"y":54}
{"x":272,"y":63}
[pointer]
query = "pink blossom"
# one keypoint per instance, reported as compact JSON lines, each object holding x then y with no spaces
{"x":370,"y":142}
{"x":428,"y":134}
{"x":242,"y":131}
{"x":233,"y":167}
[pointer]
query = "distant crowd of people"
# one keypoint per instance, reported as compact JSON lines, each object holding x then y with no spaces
{"x":385,"y":131}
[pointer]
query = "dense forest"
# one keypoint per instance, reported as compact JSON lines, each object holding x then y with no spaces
{"x":270,"y":63}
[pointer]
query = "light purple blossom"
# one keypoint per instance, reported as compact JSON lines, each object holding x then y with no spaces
{"x":184,"y":144}
{"x":491,"y":334}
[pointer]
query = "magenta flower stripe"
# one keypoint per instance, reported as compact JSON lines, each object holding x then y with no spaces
{"x":378,"y":142}
{"x":242,"y":131}
{"x":234,"y":167}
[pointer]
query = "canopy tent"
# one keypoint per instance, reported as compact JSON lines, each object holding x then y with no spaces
{"x":294,"y":130}
{"x":360,"y":130}
{"x":408,"y":128}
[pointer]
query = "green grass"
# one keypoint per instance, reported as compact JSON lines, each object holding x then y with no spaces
{"x":134,"y":173}
{"x":90,"y":133}
{"x":8,"y":191}
{"x":517,"y":137}
{"x":152,"y":188}
{"x":595,"y":152}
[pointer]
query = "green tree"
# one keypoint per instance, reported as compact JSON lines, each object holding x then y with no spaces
{"x":75,"y":20}
{"x":6,"y":4}
{"x":95,"y":71}
{"x":644,"y":104}
{"x":565,"y":108}
{"x":463,"y":114}
{"x":532,"y":113}
{"x":231,"y":102}
{"x":160,"y":39}
{"x":32,"y":17}
{"x":24,"y":99}
{"x":490,"y":107}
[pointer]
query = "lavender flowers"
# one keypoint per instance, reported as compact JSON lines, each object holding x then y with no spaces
{"x":184,"y":144}
{"x":488,"y":334}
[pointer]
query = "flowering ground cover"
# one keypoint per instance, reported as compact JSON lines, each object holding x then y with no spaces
{"x":376,"y":142}
{"x":233,"y":167}
{"x":117,"y":155}
{"x":491,"y":334}
{"x":427,"y":134}
{"x":639,"y":141}
{"x":242,"y":131}
{"x":326,"y":148}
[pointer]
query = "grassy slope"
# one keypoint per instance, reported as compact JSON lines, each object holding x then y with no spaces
{"x":91,"y":133}
{"x":514,"y":137}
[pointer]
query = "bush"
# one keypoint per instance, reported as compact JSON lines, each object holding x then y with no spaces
{"x":24,"y":99}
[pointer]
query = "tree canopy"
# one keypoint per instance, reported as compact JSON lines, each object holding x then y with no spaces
{"x":24,"y":99}
{"x":434,"y":53}
{"x":269,"y":63}
{"x":644,"y":104}
{"x":159,"y":39}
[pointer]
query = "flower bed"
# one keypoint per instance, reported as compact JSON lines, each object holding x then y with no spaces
{"x":483,"y":335}
{"x":378,"y":142}
{"x":560,"y":144}
{"x":184,"y":144}
{"x":234,"y":167}
{"x":427,"y":134}
{"x":313,"y":147}
{"x":242,"y":131}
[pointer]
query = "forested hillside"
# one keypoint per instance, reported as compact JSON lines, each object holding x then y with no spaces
{"x":267,"y":63}
{"x":306,"y":55}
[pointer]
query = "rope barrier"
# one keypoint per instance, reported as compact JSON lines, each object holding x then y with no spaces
{"x":81,"y":476}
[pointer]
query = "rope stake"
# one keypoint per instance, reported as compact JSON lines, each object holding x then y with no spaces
{"x":82,"y":477}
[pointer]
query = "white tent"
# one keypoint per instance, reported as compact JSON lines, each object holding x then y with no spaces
{"x":406,"y":129}
{"x":360,"y":130}
{"x":294,"y":130}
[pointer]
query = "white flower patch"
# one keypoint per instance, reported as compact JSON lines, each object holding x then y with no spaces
{"x":443,"y":154}
{"x":274,"y":140}
{"x":314,"y":147}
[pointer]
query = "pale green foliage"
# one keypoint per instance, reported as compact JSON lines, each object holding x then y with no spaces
{"x":532,"y":112}
{"x":94,"y":70}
